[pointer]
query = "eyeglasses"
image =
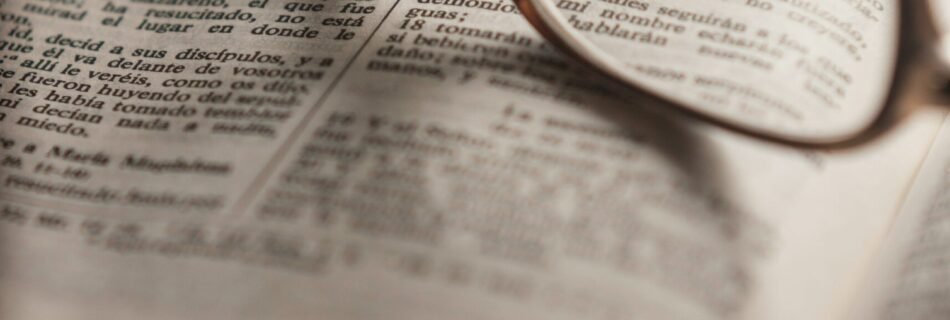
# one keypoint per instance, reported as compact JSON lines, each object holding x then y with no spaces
{"x":805,"y":72}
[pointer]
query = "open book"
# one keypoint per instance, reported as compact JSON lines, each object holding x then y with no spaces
{"x":421,"y":159}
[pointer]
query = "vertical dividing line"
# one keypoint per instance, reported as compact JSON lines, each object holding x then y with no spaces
{"x":257,"y":184}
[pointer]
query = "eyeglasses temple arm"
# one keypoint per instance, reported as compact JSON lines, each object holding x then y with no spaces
{"x":931,"y":33}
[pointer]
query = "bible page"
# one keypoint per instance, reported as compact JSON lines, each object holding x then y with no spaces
{"x":423,"y":159}
{"x":907,"y":280}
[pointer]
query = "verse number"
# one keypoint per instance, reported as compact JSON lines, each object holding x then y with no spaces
{"x":412,"y":24}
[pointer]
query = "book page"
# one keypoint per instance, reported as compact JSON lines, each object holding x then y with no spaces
{"x":907,"y":280}
{"x":426,"y":159}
